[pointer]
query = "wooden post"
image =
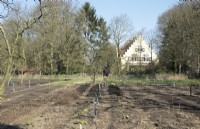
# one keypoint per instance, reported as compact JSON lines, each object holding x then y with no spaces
{"x":96,"y":99}
{"x":190,"y":90}
{"x":11,"y":84}
{"x":40,"y":77}
{"x":13,"y":87}
{"x":100,"y":90}
{"x":29,"y":83}
{"x":95,"y":110}
{"x":80,"y":125}
{"x":174,"y":85}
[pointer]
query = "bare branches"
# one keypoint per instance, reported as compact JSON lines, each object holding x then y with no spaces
{"x":6,"y":8}
{"x":120,"y":28}
{"x":11,"y":47}
{"x":35,"y":19}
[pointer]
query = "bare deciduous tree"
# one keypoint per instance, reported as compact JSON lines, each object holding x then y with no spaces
{"x":120,"y":29}
{"x":11,"y":43}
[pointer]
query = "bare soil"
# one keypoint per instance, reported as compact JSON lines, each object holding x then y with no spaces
{"x":121,"y":107}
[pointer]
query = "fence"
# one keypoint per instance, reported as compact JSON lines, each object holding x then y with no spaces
{"x":134,"y":79}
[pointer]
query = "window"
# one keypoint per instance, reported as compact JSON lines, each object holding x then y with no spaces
{"x":149,"y":58}
{"x":134,"y":57}
{"x":142,"y":50}
{"x":142,"y":59}
{"x":139,"y":49}
{"x":146,"y":57}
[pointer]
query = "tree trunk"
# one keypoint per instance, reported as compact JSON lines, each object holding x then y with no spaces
{"x":67,"y":69}
{"x":9,"y":62}
{"x":94,"y":73}
{"x":94,"y":78}
{"x":175,"y":67}
{"x":51,"y":60}
{"x":22,"y":76}
{"x":180,"y":68}
{"x":118,"y":59}
{"x":7,"y":75}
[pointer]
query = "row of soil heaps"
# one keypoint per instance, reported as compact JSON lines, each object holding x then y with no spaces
{"x":112,"y":90}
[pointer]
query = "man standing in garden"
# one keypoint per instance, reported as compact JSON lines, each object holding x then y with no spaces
{"x":106,"y":72}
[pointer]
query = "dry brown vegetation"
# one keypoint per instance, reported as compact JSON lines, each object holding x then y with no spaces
{"x":171,"y":77}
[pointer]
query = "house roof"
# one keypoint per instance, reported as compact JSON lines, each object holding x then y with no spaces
{"x":126,"y":46}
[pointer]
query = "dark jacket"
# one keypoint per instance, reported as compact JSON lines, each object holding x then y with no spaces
{"x":106,"y":71}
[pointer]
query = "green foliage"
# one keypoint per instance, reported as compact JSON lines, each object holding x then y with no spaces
{"x":82,"y":122}
{"x":81,"y":113}
{"x":125,"y":116}
{"x":29,"y":123}
{"x":84,"y":111}
{"x":180,"y":48}
{"x":99,"y":52}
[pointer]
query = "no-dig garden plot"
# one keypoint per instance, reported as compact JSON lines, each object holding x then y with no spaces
{"x":121,"y":107}
{"x":154,"y":107}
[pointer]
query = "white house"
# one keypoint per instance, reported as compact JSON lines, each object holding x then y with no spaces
{"x":137,"y":52}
